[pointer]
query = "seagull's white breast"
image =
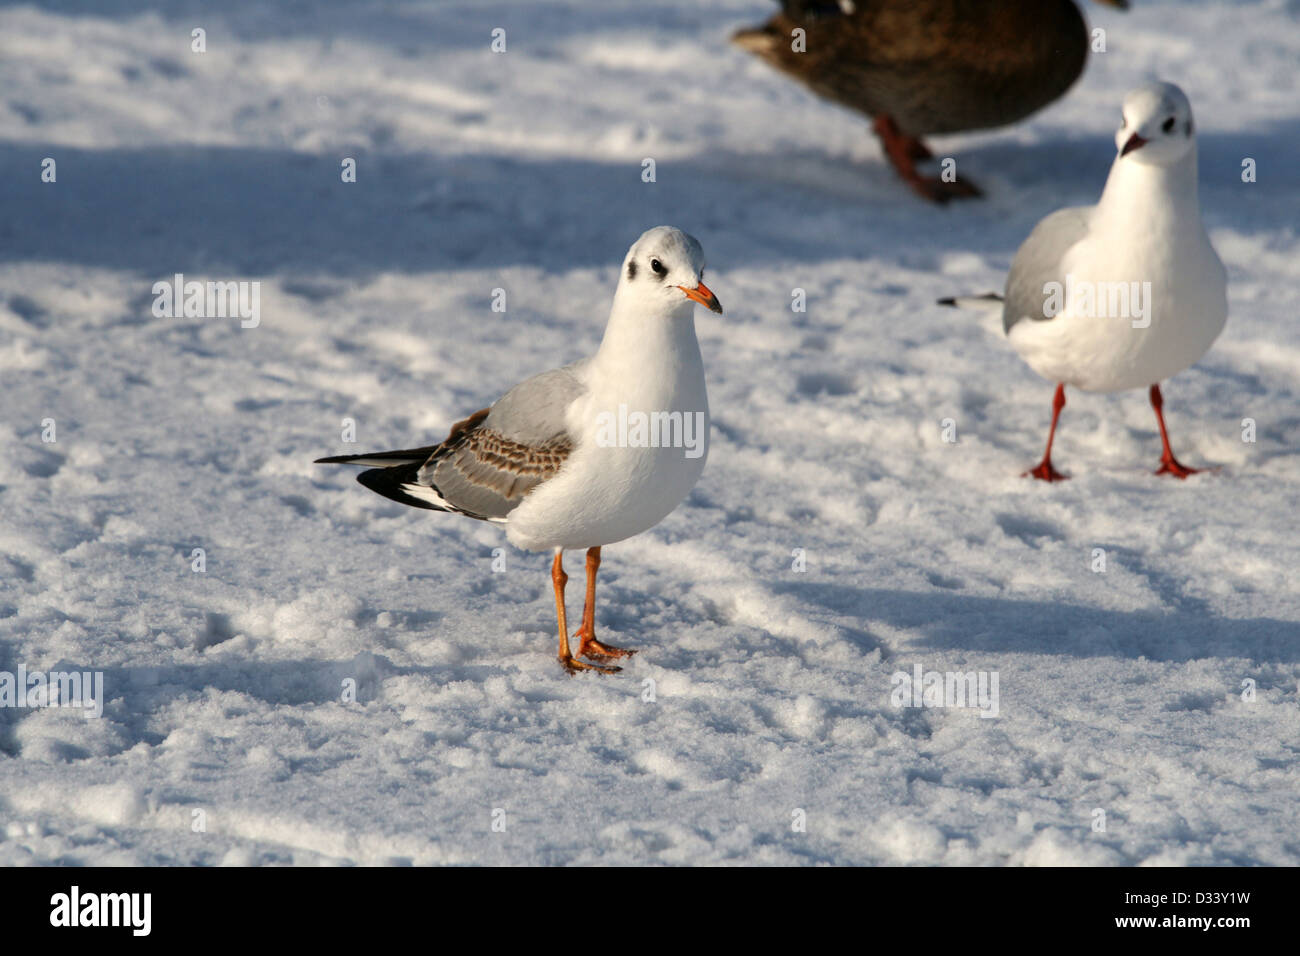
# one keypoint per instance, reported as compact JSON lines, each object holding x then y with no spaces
{"x":615,"y":483}
{"x":1173,"y":316}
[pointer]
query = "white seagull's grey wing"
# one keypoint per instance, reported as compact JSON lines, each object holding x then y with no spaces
{"x":513,"y":447}
{"x":490,"y":461}
{"x":1038,"y":262}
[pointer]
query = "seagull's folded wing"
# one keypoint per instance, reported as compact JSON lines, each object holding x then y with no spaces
{"x":1038,"y":262}
{"x":494,"y":458}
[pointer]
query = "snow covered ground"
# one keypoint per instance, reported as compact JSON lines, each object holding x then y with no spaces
{"x":1120,"y":691}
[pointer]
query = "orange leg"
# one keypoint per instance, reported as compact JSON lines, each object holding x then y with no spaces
{"x":903,"y":150}
{"x":571,"y":664}
{"x":1169,"y":465}
{"x":586,"y":634}
{"x":1044,"y":469}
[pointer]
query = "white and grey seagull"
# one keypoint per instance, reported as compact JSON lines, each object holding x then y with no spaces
{"x":1128,"y":292}
{"x":554,"y":459}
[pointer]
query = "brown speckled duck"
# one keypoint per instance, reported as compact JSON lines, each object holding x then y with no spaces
{"x":919,"y":67}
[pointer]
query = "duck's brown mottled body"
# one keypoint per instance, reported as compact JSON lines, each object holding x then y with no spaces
{"x":929,"y":66}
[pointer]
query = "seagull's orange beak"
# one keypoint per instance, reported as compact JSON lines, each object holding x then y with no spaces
{"x":1134,"y":142}
{"x":703,"y":296}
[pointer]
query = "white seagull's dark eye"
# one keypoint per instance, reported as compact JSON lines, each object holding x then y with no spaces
{"x":1168,"y":125}
{"x":657,"y":267}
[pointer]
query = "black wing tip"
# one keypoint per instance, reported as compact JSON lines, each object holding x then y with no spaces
{"x":406,"y":456}
{"x":955,"y":300}
{"x":388,"y":482}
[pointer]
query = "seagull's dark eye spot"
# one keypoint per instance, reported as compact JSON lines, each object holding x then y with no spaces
{"x":1123,"y":122}
{"x":657,"y":267}
{"x":631,"y":269}
{"x":1168,"y":125}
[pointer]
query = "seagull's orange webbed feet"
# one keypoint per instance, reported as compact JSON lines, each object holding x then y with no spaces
{"x":1169,"y":465}
{"x":559,"y":579}
{"x":588,"y":646}
{"x":1044,"y":471}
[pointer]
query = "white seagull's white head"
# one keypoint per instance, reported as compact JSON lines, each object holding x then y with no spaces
{"x":1157,"y":127}
{"x":663,"y":272}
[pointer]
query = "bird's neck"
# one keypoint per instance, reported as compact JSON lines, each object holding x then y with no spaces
{"x":647,"y":347}
{"x":1140,"y":198}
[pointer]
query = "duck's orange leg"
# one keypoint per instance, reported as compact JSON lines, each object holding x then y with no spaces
{"x":903,"y":150}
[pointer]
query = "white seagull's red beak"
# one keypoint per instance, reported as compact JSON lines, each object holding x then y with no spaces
{"x":702,"y":294}
{"x":1134,"y":142}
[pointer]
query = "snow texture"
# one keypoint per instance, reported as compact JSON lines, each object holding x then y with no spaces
{"x":225,"y":736}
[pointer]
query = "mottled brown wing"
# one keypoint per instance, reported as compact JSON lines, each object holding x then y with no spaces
{"x":483,"y":473}
{"x":494,"y":458}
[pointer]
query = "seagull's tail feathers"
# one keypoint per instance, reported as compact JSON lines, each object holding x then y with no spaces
{"x":383,"y":459}
{"x":396,"y":475}
{"x":988,"y":302}
{"x":401,"y":483}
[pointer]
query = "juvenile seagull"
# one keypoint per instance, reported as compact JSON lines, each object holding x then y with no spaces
{"x":1128,"y":292}
{"x":918,"y":67}
{"x":554,"y":459}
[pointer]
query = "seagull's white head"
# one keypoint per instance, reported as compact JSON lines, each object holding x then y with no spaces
{"x":663,"y":270}
{"x":1157,"y":127}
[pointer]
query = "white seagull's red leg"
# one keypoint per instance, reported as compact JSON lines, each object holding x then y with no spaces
{"x":588,"y":646}
{"x":1044,"y":469}
{"x":571,"y":663}
{"x":1169,"y":465}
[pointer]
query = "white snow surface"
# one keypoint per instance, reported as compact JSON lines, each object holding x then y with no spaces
{"x":1120,"y":691}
